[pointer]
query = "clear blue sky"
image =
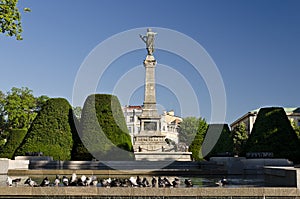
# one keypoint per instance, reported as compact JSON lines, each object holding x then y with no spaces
{"x":255,"y":45}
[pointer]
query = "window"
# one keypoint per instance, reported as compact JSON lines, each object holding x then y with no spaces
{"x":131,"y":119}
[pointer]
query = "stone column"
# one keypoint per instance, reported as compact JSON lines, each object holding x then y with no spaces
{"x":149,"y":109}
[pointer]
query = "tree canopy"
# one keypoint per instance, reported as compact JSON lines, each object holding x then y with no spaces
{"x":240,"y":137}
{"x":296,"y":128}
{"x":188,"y":130}
{"x":10,"y":19}
{"x":103,"y":128}
{"x":18,"y":108}
{"x":272,"y":132}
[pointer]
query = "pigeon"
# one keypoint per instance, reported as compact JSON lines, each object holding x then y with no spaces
{"x":10,"y":181}
{"x":65,"y":181}
{"x":176,"y":182}
{"x":56,"y":181}
{"x":31,"y":183}
{"x":45,"y":182}
{"x":188,"y":183}
{"x":153,"y":181}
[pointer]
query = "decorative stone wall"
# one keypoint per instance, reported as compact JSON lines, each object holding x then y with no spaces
{"x":46,"y":192}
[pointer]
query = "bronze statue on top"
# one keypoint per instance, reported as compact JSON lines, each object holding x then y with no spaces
{"x":149,"y":40}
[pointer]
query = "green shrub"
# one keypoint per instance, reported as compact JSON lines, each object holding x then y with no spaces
{"x":50,"y":132}
{"x":272,"y":132}
{"x":15,"y":138}
{"x":103,"y":128}
{"x":219,"y":139}
{"x":196,"y":144}
{"x":79,"y":151}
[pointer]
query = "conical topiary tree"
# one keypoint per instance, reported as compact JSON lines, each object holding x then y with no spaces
{"x":14,"y":140}
{"x":196,"y":144}
{"x":103,"y":129}
{"x":50,"y":132}
{"x":219,"y":139}
{"x":272,"y":132}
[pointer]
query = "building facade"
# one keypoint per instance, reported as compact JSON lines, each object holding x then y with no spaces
{"x":249,"y":118}
{"x":131,"y":114}
{"x":169,"y":122}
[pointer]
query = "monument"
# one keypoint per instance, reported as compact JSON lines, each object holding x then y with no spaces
{"x":150,"y":143}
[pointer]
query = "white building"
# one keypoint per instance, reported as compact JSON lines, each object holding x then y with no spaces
{"x":169,"y":123}
{"x":249,"y":118}
{"x":131,"y":114}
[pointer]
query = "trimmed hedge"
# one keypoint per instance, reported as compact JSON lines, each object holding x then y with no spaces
{"x":50,"y":132}
{"x":272,"y":132}
{"x":196,"y":144}
{"x":224,"y":143}
{"x":79,"y":151}
{"x":103,"y":128}
{"x":14,"y":140}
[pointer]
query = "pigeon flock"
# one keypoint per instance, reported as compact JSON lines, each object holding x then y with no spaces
{"x":74,"y":180}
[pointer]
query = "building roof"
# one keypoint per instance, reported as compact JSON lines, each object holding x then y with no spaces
{"x":292,"y":110}
{"x":288,"y":111}
{"x":134,"y":107}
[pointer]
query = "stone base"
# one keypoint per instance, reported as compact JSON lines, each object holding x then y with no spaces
{"x":7,"y":164}
{"x":34,"y":158}
{"x":163,"y":156}
{"x":282,"y":176}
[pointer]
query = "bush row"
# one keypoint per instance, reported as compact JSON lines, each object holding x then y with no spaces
{"x":57,"y":132}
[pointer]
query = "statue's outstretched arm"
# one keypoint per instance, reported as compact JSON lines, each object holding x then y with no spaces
{"x":144,"y":38}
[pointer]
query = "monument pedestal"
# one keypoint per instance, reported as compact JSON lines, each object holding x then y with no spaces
{"x":163,"y":156}
{"x":150,"y":143}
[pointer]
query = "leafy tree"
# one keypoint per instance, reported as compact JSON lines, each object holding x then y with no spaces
{"x":77,"y":111}
{"x":40,"y":102}
{"x":103,"y":128}
{"x":14,"y":140}
{"x":219,"y":139}
{"x":188,"y":130}
{"x":240,"y":137}
{"x":272,"y":132}
{"x":10,"y":18}
{"x":196,"y":144}
{"x":51,"y":131}
{"x":296,"y":128}
{"x":2,"y":113}
{"x":18,"y":108}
